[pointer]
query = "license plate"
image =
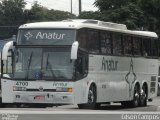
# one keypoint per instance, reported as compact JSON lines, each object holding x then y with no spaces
{"x":39,"y":97}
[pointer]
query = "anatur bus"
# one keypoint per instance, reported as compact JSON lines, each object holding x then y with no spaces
{"x":83,"y":62}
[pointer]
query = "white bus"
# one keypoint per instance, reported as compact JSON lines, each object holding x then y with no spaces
{"x":83,"y":62}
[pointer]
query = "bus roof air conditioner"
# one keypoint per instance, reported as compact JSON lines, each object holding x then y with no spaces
{"x":74,"y":50}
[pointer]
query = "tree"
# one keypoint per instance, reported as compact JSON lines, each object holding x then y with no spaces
{"x":90,"y":15}
{"x":11,"y":16}
{"x":136,"y":14}
{"x":12,"y":11}
{"x":130,"y":15}
{"x":104,"y":5}
{"x":40,"y":13}
{"x":121,"y":11}
{"x":1,"y":14}
{"x":151,"y":10}
{"x":36,"y":13}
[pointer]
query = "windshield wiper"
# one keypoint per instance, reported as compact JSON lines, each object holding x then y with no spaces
{"x":29,"y":64}
{"x":49,"y":65}
{"x":47,"y":61}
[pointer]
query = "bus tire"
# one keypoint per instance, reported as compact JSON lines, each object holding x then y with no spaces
{"x":124,"y":104}
{"x":92,"y":98}
{"x":2,"y":105}
{"x":81,"y":106}
{"x":143,"y":96}
{"x":136,"y":97}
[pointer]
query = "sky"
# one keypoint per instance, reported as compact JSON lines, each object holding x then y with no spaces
{"x":64,"y":5}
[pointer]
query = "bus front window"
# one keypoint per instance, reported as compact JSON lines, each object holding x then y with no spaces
{"x":43,"y":64}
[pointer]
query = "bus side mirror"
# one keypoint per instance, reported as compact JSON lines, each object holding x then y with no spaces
{"x":6,"y":48}
{"x":74,"y":50}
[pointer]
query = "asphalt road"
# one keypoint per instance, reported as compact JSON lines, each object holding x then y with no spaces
{"x":66,"y":117}
{"x":71,"y":112}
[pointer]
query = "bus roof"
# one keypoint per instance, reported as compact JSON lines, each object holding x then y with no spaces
{"x":87,"y":23}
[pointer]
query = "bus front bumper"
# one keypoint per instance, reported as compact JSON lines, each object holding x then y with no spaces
{"x":43,"y":97}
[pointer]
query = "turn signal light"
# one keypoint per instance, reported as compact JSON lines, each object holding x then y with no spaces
{"x":61,"y":89}
{"x":70,"y":90}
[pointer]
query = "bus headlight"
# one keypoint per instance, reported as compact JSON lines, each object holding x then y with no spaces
{"x":15,"y":88}
{"x":62,"y":89}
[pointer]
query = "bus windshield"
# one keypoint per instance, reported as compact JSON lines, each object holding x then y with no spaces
{"x":43,"y":64}
{"x":46,"y":37}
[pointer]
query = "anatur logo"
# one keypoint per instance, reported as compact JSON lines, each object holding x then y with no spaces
{"x":109,"y":65}
{"x":130,"y":77}
{"x":28,"y":35}
{"x":50,"y":36}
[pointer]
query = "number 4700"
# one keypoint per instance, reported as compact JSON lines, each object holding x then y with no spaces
{"x":21,"y":83}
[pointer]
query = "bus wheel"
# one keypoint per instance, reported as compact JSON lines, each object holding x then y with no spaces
{"x":136,"y":98}
{"x":143,"y":97}
{"x":2,"y":105}
{"x":124,"y":104}
{"x":92,"y":98}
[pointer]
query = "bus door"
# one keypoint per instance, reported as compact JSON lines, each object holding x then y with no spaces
{"x":81,"y":72}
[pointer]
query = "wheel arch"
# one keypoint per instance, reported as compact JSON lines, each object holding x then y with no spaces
{"x":89,"y":83}
{"x":146,"y":86}
{"x":94,"y":84}
{"x":137,"y":84}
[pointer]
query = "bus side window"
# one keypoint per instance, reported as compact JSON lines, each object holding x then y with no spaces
{"x":137,"y":46}
{"x":117,"y":46}
{"x":81,"y":66}
{"x":93,"y":41}
{"x":105,"y":42}
{"x":82,"y":38}
{"x":154,"y":48}
{"x":146,"y":47}
{"x":127,"y":45}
